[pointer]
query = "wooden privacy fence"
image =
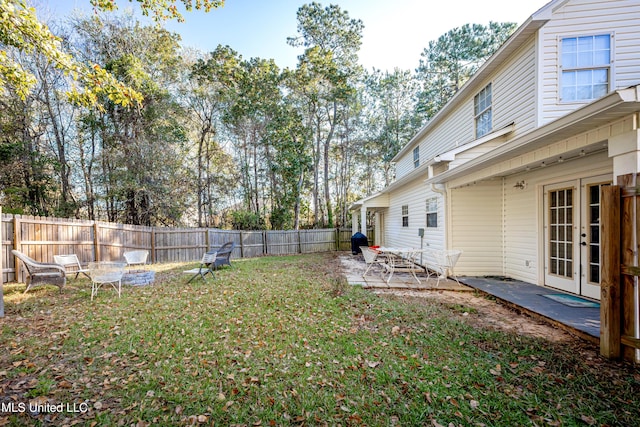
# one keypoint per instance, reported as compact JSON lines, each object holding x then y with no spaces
{"x":620,"y":295}
{"x":41,"y":238}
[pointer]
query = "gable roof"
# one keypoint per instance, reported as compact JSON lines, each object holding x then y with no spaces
{"x":508,"y":48}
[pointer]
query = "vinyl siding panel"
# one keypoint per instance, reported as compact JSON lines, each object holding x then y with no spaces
{"x":455,"y":130}
{"x":476,"y":228}
{"x":513,"y":96}
{"x":505,"y":238}
{"x":415,"y":195}
{"x":580,"y":18}
{"x":515,"y":92}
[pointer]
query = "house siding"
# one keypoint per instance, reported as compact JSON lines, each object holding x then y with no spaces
{"x":415,"y":195}
{"x":476,"y":227}
{"x":524,"y":210}
{"x":514,"y":99}
{"x":480,"y":219}
{"x":514,"y":96}
{"x":584,"y":17}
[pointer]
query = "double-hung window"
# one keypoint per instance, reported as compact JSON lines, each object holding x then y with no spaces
{"x":405,"y":215}
{"x":416,"y":157}
{"x":586,"y":67}
{"x":432,"y":212}
{"x":482,"y":111}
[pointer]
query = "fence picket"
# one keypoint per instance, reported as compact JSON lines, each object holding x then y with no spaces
{"x":41,"y":238}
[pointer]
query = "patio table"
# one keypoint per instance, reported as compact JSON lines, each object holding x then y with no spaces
{"x":402,"y":259}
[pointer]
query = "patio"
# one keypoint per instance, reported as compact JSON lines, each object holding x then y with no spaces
{"x":583,"y":321}
{"x":354,"y":267}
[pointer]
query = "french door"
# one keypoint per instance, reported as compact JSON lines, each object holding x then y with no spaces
{"x":572,"y":252}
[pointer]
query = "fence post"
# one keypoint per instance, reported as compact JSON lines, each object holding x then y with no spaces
{"x":241,"y":245}
{"x":265,"y":245}
{"x":17,"y":246}
{"x":96,"y":242}
{"x":610,"y":285}
{"x":153,"y":245}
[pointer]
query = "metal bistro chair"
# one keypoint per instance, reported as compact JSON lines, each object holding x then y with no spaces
{"x":207,"y":266}
{"x":444,"y":263}
{"x":372,"y":257}
{"x":136,"y":257}
{"x":102,"y":273}
{"x":71,"y":264}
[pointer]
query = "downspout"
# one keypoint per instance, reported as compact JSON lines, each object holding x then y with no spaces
{"x":442,"y":190}
{"x":636,"y":284}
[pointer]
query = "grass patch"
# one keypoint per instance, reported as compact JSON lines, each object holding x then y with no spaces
{"x":281,"y":341}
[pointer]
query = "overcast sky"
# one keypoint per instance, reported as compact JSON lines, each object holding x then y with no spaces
{"x":395,"y":32}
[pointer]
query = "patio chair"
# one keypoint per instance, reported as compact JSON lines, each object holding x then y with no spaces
{"x":136,"y":257}
{"x":443,"y":263}
{"x":207,"y":265}
{"x":103,"y":273}
{"x":41,"y":273}
{"x":71,"y":264}
{"x":371,"y":257}
{"x":223,"y":256}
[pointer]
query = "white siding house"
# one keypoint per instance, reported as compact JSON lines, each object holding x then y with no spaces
{"x":522,"y":199}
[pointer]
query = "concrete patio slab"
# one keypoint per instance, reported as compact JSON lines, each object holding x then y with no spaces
{"x":354,"y":267}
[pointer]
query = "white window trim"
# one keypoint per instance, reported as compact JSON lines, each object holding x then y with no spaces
{"x":476,"y":116}
{"x":403,"y":215}
{"x":431,"y":212}
{"x":612,"y":62}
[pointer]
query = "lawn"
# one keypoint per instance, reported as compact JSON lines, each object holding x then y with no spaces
{"x":285,"y":341}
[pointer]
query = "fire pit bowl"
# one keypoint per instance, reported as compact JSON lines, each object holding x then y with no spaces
{"x":138,"y":277}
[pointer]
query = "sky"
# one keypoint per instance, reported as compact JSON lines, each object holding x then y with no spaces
{"x":395,"y":32}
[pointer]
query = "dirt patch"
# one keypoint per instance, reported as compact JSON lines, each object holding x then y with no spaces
{"x":485,"y":312}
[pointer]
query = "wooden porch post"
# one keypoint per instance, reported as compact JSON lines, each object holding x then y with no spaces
{"x":610,"y":285}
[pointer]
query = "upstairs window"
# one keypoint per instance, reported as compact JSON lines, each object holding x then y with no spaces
{"x":432,"y":212}
{"x":416,"y":157}
{"x":482,"y":111}
{"x":586,"y":67}
{"x":405,"y":215}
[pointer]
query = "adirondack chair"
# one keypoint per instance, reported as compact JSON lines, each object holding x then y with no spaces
{"x":41,"y":273}
{"x":223,"y":256}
